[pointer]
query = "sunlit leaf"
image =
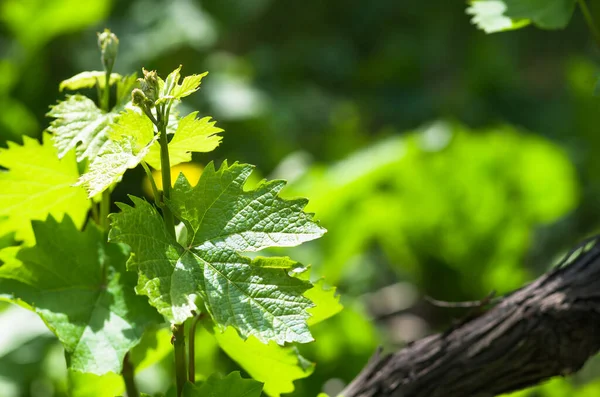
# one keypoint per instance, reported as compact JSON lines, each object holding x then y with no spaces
{"x":131,"y":139}
{"x":223,"y":221}
{"x":80,"y":125}
{"x":500,"y":15}
{"x":171,"y":89}
{"x":38,"y":184}
{"x":192,"y":135}
{"x":276,"y":366}
{"x":489,"y":16}
{"x":91,"y":385}
{"x":88,"y":80}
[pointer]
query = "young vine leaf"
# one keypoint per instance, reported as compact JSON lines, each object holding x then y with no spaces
{"x":77,"y":283}
{"x":79,"y":124}
{"x":191,"y":135}
{"x":276,"y":366}
{"x":222,"y":221}
{"x":233,"y":385}
{"x":170,"y":88}
{"x":38,"y":184}
{"x":88,"y":80}
{"x":130,"y":141}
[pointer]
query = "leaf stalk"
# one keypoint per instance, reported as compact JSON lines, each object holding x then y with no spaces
{"x":165,"y":166}
{"x":128,"y":377}
{"x":180,"y":365}
{"x":192,"y":348}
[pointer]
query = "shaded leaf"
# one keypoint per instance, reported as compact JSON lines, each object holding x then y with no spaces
{"x":78,"y":285}
{"x":233,"y":385}
{"x":500,"y":15}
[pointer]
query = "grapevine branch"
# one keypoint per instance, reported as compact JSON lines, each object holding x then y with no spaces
{"x":548,"y":328}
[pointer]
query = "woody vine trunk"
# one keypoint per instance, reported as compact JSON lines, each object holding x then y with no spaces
{"x":545,"y":329}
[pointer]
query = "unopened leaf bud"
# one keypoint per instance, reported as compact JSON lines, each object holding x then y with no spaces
{"x":109,"y":47}
{"x":138,"y":98}
{"x":149,"y":85}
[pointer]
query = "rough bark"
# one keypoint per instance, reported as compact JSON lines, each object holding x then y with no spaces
{"x":545,"y":329}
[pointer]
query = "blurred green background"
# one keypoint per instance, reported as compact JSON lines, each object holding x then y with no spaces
{"x":443,"y":161}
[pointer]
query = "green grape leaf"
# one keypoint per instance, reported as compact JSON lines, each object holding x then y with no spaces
{"x":88,"y":80}
{"x":489,"y":16}
{"x":131,"y":139}
{"x":165,"y":275}
{"x":90,"y":385}
{"x":80,"y":125}
{"x":545,"y":14}
{"x":188,"y":86}
{"x":78,"y":285}
{"x":191,"y":135}
{"x":327,"y":303}
{"x":223,"y":221}
{"x":276,"y":366}
{"x":171,"y":89}
{"x":233,"y":385}
{"x":219,"y":213}
{"x":38,"y":184}
{"x":154,"y":346}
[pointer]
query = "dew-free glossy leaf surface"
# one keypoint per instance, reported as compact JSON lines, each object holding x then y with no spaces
{"x":79,"y":124}
{"x":130,"y":141}
{"x":191,"y":135}
{"x":223,"y":221}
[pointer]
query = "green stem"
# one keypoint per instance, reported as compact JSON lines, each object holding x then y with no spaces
{"x":128,"y":377}
{"x":192,"y":348}
{"x":105,"y":203}
{"x":104,"y":209}
{"x":152,"y":184}
{"x":179,"y":347}
{"x":590,"y":21}
{"x":166,"y":174}
{"x":106,"y":92}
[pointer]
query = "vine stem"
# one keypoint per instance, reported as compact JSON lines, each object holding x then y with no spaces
{"x":179,"y":348}
{"x":152,"y":184}
{"x":104,"y":104}
{"x":165,"y":166}
{"x":104,"y":209}
{"x":590,"y":21}
{"x":128,"y":374}
{"x":192,"y":348}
